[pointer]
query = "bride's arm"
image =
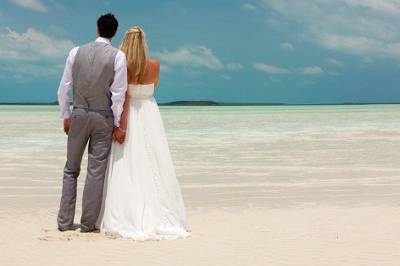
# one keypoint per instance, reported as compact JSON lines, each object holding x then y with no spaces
{"x":157,"y":69}
{"x":124,"y":116}
{"x":119,"y":132}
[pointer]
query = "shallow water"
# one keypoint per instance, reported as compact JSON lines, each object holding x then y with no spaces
{"x":230,"y":156}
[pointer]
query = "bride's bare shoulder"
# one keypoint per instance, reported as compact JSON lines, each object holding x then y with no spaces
{"x":153,"y":70}
{"x":153,"y":63}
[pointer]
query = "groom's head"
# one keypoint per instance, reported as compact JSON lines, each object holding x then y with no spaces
{"x":107,"y":26}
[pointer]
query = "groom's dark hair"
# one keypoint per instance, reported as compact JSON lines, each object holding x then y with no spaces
{"x":107,"y":25}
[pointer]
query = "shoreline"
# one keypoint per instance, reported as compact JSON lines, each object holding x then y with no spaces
{"x":213,"y":103}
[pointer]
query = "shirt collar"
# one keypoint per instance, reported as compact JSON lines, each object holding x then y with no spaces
{"x":101,"y":39}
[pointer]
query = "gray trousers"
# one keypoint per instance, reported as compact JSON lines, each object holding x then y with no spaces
{"x":96,"y":128}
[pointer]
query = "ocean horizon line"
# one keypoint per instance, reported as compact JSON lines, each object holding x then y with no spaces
{"x":216,"y":103}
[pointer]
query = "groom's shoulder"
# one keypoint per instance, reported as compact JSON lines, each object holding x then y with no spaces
{"x":76,"y":48}
{"x":86,"y":45}
{"x":73,"y":51}
{"x":120,"y":55}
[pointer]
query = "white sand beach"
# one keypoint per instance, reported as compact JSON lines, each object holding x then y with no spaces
{"x":262,"y":185}
{"x":307,"y":235}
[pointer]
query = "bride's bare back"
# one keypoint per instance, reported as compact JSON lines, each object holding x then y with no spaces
{"x":152,"y":72}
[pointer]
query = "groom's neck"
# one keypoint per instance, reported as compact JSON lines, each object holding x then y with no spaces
{"x":104,"y":38}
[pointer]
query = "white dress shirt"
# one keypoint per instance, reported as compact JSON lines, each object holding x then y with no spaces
{"x":118,"y":87}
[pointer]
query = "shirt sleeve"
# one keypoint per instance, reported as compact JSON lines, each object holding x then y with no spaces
{"x":66,"y":85}
{"x":119,"y":86}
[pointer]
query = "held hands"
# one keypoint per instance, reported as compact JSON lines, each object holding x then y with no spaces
{"x":67,"y":122}
{"x":119,"y":135}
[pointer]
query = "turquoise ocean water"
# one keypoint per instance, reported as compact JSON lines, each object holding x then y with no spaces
{"x":225,"y":156}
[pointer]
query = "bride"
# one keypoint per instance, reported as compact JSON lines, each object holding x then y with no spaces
{"x":142,"y":196}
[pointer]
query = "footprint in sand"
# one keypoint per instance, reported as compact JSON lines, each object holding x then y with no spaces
{"x":55,"y":235}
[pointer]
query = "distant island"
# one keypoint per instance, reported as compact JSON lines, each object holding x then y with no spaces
{"x":212,"y":103}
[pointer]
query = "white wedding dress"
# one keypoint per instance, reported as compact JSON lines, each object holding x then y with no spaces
{"x":142,"y":197}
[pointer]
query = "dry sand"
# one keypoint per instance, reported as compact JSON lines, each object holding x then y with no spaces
{"x":301,"y":235}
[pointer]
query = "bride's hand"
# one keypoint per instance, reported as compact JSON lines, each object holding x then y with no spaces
{"x":66,"y":125}
{"x":119,"y":135}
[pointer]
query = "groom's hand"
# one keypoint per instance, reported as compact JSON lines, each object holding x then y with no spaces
{"x":66,"y":125}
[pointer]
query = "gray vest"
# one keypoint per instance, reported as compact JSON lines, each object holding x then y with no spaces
{"x":92,"y":75}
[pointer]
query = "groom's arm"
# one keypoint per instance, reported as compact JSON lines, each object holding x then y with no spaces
{"x":64,"y":87}
{"x":119,"y":87}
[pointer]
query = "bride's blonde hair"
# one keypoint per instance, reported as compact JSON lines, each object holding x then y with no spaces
{"x":135,"y":48}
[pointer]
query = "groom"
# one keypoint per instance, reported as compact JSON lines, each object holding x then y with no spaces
{"x":97,"y":74}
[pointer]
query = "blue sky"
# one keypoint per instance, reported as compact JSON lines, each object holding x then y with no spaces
{"x":315,"y":51}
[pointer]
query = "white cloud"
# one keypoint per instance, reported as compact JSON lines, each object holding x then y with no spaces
{"x":287,"y":46}
{"x":197,"y":56}
{"x":334,"y":62}
{"x":361,"y":45}
{"x":357,"y":27}
{"x":31,"y":54}
{"x":273,"y":23}
{"x":165,"y":68}
{"x":313,"y":70}
{"x":274,"y":80}
{"x":248,"y":6}
{"x":226,"y":77}
{"x":23,"y":73}
{"x":384,"y":6}
{"x":31,"y":45}
{"x":35,"y":5}
{"x":275,"y":70}
{"x":234,"y":66}
{"x":270,"y":69}
{"x":367,"y":60}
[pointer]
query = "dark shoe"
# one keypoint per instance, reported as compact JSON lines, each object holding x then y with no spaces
{"x":65,"y":229}
{"x":91,"y":230}
{"x":69,"y":228}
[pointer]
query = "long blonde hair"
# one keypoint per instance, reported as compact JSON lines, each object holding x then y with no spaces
{"x":134,"y":46}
